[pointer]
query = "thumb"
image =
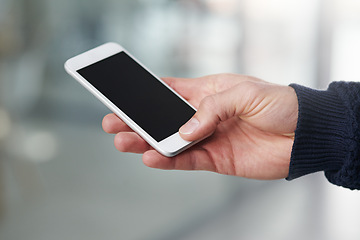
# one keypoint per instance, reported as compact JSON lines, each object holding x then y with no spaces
{"x":212,"y":110}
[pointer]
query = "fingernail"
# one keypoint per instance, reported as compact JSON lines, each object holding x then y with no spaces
{"x":190,"y":126}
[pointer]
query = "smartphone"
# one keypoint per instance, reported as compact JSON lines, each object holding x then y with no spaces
{"x":142,"y":100}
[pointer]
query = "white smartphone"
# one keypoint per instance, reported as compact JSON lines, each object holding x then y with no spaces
{"x":142,"y":100}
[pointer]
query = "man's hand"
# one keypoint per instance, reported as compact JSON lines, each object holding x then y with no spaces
{"x":250,"y":124}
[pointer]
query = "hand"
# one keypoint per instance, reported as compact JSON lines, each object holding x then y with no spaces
{"x":250,"y":124}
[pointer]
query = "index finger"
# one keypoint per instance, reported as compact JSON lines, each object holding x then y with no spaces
{"x":192,"y":89}
{"x":113,"y":124}
{"x":191,"y":159}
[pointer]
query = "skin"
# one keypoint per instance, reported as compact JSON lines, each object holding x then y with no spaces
{"x":250,"y":124}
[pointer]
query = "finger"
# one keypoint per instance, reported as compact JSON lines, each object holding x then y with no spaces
{"x":154,"y":159}
{"x":217,"y":108}
{"x":192,"y":89}
{"x":113,"y":124}
{"x":195,"y":89}
{"x":192,"y":159}
{"x":130,"y":142}
{"x":183,"y":86}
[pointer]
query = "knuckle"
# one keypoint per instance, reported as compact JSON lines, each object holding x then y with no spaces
{"x":208,"y":103}
{"x":252,"y":89}
{"x":211,"y":105}
{"x":215,"y":83}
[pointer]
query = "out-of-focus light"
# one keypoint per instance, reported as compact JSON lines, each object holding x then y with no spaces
{"x":341,"y":213}
{"x":278,"y":9}
{"x":222,"y":6}
{"x":346,"y":53}
{"x":32,"y":145}
{"x":5,"y":124}
{"x":40,"y":146}
{"x":347,"y":9}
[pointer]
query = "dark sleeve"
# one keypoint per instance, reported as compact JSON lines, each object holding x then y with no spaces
{"x":327,"y":137}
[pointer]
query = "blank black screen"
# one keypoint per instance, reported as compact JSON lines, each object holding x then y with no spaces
{"x":139,"y":95}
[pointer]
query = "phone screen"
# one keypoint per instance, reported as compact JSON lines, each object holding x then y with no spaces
{"x":136,"y":92}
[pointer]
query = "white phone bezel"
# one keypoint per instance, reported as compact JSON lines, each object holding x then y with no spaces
{"x":171,"y":145}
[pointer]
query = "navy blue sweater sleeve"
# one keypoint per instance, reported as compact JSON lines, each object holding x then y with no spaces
{"x":327,"y":137}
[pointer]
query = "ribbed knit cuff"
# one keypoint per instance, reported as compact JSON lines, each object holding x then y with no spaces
{"x":320,"y":140}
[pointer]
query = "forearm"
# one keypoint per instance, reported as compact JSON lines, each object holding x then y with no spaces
{"x":327,"y":134}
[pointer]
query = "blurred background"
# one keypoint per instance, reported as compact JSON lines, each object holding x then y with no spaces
{"x":62,"y":178}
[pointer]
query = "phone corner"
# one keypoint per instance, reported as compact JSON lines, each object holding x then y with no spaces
{"x":67,"y":65}
{"x":166,"y":153}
